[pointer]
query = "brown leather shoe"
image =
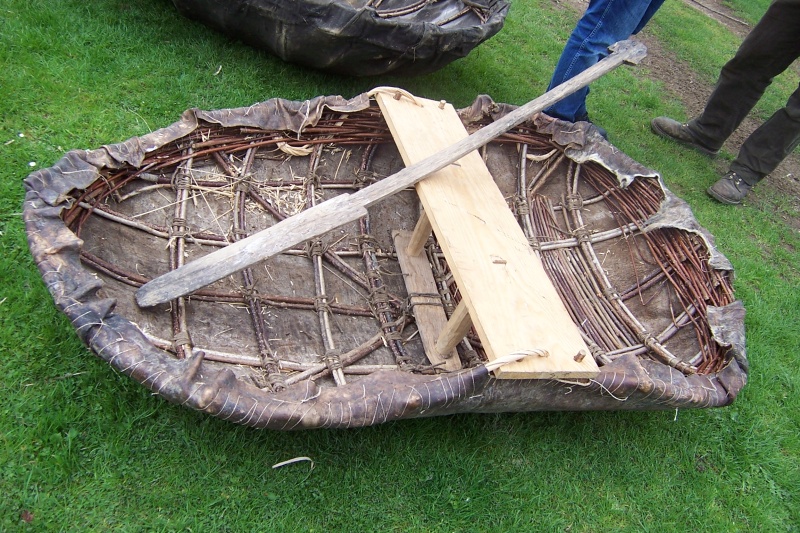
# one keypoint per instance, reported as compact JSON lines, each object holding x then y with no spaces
{"x":672,"y":129}
{"x":730,"y":189}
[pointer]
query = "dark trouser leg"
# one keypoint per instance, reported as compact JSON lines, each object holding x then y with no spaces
{"x":775,"y":139}
{"x":768,"y":50}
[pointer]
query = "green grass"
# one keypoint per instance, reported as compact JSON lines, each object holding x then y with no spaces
{"x":82,"y":448}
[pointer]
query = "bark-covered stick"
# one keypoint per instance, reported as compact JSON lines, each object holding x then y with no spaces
{"x":346,"y":208}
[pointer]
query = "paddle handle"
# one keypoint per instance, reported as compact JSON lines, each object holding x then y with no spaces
{"x":344,"y":208}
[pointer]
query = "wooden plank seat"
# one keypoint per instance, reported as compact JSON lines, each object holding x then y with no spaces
{"x":506,"y":294}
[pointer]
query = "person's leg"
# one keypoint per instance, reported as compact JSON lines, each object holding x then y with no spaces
{"x":604,"y":23}
{"x":766,"y":147}
{"x":652,"y":7}
{"x":768,"y":50}
{"x":761,"y":153}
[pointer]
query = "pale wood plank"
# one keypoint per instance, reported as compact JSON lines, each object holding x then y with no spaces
{"x":420,"y":235}
{"x":511,"y":301}
{"x":457,"y":328}
{"x":431,"y":319}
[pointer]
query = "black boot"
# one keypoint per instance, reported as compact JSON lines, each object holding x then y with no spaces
{"x":672,"y":129}
{"x":730,"y":189}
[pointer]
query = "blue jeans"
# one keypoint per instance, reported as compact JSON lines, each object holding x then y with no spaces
{"x":604,"y":23}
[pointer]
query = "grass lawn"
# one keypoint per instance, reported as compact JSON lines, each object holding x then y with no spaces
{"x":83,"y":448}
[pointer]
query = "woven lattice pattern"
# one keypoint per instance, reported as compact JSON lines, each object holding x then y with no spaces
{"x":335,"y":312}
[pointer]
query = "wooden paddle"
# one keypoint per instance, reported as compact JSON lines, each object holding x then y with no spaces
{"x":345,"y":208}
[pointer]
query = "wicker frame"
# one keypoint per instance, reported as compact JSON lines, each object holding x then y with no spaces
{"x":659,"y":315}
